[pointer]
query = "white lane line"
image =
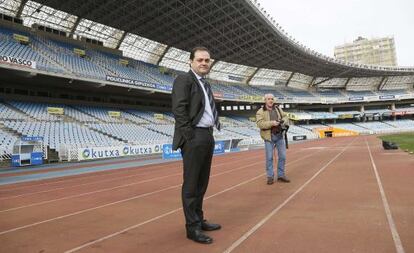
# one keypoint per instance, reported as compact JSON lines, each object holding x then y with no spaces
{"x":89,"y":193}
{"x":395,"y":236}
{"x":122,"y":177}
{"x":88,"y":176}
{"x":105,"y":189}
{"x":107,"y":172}
{"x":265,"y":219}
{"x":173,"y":211}
{"x":156,"y":218}
{"x":77,"y":185}
{"x":113,"y":203}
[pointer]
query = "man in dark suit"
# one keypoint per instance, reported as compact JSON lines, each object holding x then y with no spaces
{"x":195,"y":115}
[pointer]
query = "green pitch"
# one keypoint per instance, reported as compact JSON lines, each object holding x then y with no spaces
{"x":404,"y":141}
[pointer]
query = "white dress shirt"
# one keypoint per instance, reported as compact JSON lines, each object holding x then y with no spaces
{"x":207,"y":120}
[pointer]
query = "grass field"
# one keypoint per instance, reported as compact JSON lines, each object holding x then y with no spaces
{"x":404,"y":141}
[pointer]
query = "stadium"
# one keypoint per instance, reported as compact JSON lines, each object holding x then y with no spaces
{"x":86,"y":127}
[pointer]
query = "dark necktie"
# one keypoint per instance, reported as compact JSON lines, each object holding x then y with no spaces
{"x":207,"y":87}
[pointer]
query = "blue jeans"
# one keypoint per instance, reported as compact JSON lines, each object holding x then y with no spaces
{"x":277,"y":142}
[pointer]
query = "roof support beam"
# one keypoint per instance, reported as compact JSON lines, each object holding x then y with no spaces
{"x":121,"y":40}
{"x":311,"y":83}
{"x":337,"y":76}
{"x":249,"y":78}
{"x":346,"y":83}
{"x":20,"y":10}
{"x":327,"y":79}
{"x":75,"y":25}
{"x":163,"y":54}
{"x":290,"y":77}
{"x":382,"y":83}
{"x":236,"y":31}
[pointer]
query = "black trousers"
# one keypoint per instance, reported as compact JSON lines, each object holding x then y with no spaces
{"x":197,"y":155}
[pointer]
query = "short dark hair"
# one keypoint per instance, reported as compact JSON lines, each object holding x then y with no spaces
{"x":198,"y":48}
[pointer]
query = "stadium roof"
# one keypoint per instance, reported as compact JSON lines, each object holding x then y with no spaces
{"x":244,"y":40}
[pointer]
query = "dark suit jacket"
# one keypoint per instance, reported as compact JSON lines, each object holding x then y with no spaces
{"x":187,"y":106}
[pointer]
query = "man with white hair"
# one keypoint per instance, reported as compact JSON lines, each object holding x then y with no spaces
{"x":272,"y":121}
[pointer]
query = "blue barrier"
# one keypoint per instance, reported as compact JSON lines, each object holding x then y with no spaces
{"x":169,"y":153}
{"x":219,"y":147}
{"x":28,"y":151}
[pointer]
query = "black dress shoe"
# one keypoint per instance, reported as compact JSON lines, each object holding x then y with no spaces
{"x":209,"y":226}
{"x":270,"y":180}
{"x":198,"y":236}
{"x":283,"y":179}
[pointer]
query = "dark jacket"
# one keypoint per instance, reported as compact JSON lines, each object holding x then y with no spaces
{"x":187,"y":107}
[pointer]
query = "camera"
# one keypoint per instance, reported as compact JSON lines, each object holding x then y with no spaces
{"x":282,"y":126}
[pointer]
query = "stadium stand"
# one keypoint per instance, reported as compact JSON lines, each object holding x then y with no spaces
{"x":7,"y":141}
{"x":102,"y":114}
{"x":131,"y":133}
{"x":402,"y":125}
{"x":34,"y":110}
{"x":331,"y":93}
{"x":297,"y":93}
{"x":352,"y":127}
{"x":64,"y":54}
{"x":59,"y":57}
{"x":298,"y":130}
{"x":92,"y":126}
{"x":392,"y":92}
{"x":56,"y":133}
{"x":262,"y":90}
{"x":323,"y":115}
{"x":352,"y":93}
{"x":102,"y":125}
{"x":378,"y":127}
{"x":10,"y":47}
{"x":6,"y":112}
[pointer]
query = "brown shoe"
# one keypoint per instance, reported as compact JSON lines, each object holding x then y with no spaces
{"x":270,"y":180}
{"x":283,"y":179}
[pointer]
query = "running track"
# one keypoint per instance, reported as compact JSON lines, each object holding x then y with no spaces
{"x":346,"y":195}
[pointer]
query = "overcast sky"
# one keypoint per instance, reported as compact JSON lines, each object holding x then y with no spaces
{"x":323,"y":24}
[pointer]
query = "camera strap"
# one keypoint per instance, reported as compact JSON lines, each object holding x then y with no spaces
{"x":286,"y":138}
{"x":279,"y":113}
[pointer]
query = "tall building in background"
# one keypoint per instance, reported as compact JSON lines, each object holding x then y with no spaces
{"x":376,"y":51}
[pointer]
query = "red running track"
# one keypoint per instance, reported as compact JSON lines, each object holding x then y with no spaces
{"x":346,"y":195}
